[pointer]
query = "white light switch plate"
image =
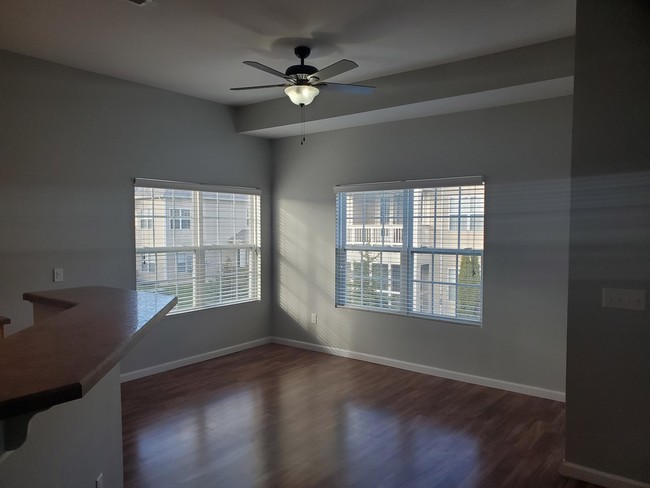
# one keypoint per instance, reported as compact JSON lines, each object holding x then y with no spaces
{"x":57,"y":275}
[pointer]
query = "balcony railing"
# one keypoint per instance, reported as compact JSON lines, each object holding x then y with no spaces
{"x":377,"y":234}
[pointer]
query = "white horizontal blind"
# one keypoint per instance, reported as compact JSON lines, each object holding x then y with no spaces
{"x":202,"y":246}
{"x":412,"y":251}
{"x":182,"y":185}
{"x":407,"y":184}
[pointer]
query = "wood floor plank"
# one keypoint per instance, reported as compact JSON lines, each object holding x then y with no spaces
{"x":276,"y":416}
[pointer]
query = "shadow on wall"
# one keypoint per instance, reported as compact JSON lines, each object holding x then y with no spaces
{"x":526,"y":235}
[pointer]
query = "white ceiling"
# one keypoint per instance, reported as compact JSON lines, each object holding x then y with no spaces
{"x":197,"y":47}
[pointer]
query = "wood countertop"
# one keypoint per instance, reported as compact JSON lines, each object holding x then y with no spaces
{"x":61,"y":358}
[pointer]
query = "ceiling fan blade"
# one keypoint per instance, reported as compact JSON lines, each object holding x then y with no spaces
{"x":344,"y":87}
{"x":257,"y":87}
{"x":255,"y":64}
{"x":334,"y":69}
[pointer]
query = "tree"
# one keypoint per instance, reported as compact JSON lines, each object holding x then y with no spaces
{"x":234,"y":280}
{"x":364,"y":286}
{"x":468,"y":297}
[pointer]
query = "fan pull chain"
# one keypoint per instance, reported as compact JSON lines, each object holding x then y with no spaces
{"x":302,"y":124}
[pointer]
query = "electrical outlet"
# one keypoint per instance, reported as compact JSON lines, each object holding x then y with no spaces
{"x":625,"y":299}
{"x":99,"y":482}
{"x":314,"y":318}
{"x":58,"y":275}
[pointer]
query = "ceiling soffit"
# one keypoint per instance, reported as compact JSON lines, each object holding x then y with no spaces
{"x":543,"y":70}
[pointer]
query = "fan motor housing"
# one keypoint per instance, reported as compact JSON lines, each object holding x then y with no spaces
{"x":300,"y":69}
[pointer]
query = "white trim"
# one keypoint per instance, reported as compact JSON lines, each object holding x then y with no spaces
{"x":600,"y":478}
{"x":409,"y":184}
{"x":535,"y":391}
{"x":371,"y":358}
{"x":179,"y":363}
{"x":181,"y":185}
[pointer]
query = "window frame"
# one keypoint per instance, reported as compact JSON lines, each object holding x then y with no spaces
{"x":194,"y":259}
{"x":410,"y":286}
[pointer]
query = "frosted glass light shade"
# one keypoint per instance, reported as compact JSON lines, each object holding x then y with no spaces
{"x":301,"y":94}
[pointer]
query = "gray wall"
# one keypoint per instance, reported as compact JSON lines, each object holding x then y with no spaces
{"x":524,"y":152}
{"x":69,"y":445}
{"x":71,"y":143}
{"x":608,"y":370}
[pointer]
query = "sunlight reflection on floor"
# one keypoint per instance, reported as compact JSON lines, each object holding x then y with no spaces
{"x":223,"y":429}
{"x":376,"y":436}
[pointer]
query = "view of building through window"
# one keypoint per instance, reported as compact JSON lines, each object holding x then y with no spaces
{"x":202,"y":246}
{"x":412,"y":251}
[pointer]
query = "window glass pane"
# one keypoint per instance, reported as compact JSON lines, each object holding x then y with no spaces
{"x":375,"y":218}
{"x":469,"y":294}
{"x":227,"y":218}
{"x":368,"y":279}
{"x":438,"y":291}
{"x":448,"y":218}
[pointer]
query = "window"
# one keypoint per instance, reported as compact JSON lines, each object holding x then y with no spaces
{"x":176,"y":222}
{"x":146,"y":220}
{"x":412,"y":248}
{"x":148,"y":263}
{"x":198,"y":242}
{"x":184,"y":262}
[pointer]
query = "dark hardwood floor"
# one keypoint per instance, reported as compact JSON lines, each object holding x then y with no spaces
{"x":276,"y":416}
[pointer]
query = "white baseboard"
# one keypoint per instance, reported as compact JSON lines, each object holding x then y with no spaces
{"x":421,"y":368}
{"x":600,"y":478}
{"x":371,"y":358}
{"x":160,"y":368}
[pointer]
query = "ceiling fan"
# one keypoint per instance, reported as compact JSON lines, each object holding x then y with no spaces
{"x":303,"y":82}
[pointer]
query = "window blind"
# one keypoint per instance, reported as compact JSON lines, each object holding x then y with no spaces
{"x":415,"y":250}
{"x":198,"y":242}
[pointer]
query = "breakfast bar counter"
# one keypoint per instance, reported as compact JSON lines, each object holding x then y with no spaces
{"x":78,"y":336}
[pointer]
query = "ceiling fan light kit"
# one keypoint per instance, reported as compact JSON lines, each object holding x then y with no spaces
{"x":301,"y":94}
